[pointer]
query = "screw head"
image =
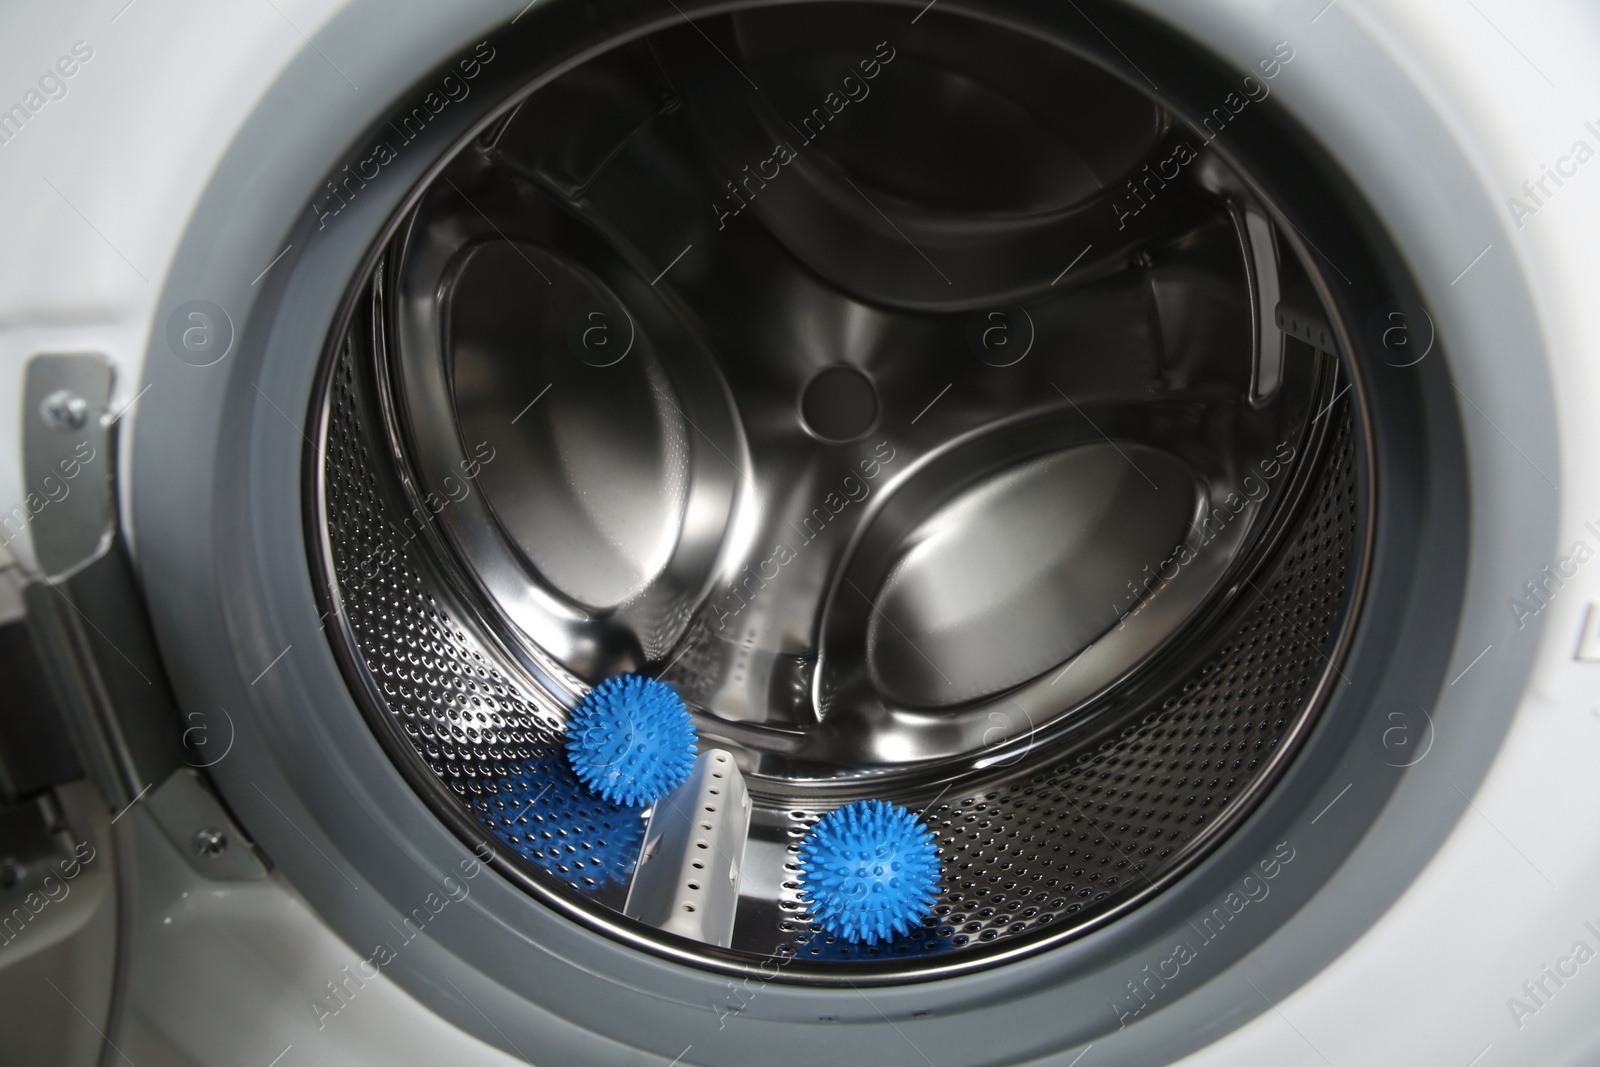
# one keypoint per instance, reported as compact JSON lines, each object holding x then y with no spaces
{"x":64,"y":410}
{"x":210,"y":843}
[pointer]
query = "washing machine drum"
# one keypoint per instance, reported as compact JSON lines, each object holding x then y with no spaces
{"x":912,"y":468}
{"x":945,"y":415}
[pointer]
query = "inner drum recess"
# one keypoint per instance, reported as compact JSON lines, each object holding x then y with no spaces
{"x":1032,"y":851}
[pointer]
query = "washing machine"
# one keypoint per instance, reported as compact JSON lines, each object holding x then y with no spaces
{"x":1143,"y":450}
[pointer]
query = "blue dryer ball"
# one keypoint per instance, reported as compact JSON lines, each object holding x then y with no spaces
{"x":630,"y":740}
{"x":869,"y":871}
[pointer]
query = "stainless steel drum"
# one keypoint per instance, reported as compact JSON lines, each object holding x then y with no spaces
{"x":947,"y":422}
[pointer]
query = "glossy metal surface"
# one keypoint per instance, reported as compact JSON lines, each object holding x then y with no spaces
{"x":896,"y":510}
{"x":654,"y":499}
{"x":1040,"y":842}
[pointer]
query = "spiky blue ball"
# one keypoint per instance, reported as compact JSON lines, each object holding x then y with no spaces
{"x":869,"y":871}
{"x":630,"y":740}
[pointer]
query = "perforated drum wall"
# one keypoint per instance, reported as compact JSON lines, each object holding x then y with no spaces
{"x":1058,"y":839}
